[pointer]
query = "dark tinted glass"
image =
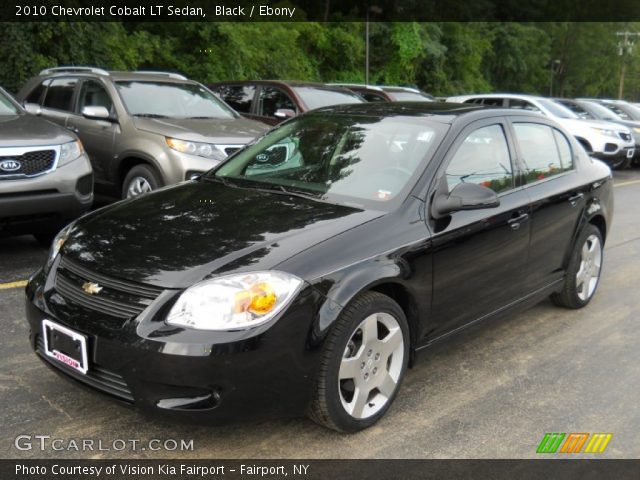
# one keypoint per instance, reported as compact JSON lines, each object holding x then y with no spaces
{"x":239,"y":97}
{"x":372,"y":97}
{"x":273,"y":99}
{"x":36,"y":94}
{"x":60,"y":94}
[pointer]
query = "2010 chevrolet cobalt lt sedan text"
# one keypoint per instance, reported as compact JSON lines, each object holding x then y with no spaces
{"x":302,"y":275}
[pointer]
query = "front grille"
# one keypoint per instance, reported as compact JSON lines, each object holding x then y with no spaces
{"x":97,"y":377}
{"x":31,"y":163}
{"x":117,"y":298}
{"x":231,"y":150}
{"x":625,"y":136}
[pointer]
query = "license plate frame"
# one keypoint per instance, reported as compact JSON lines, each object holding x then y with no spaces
{"x":66,"y":358}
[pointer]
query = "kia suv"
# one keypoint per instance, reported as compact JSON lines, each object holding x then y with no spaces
{"x":45,"y":176}
{"x":142,"y":130}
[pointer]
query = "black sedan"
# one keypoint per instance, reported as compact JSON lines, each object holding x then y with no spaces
{"x":303,"y":275}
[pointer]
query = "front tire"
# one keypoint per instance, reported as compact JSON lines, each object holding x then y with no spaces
{"x":583,"y":274}
{"x":364,"y":361}
{"x":141,"y":179}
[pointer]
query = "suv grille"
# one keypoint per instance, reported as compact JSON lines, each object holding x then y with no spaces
{"x":625,"y":136}
{"x":97,"y":377}
{"x":117,"y":298}
{"x":31,"y":163}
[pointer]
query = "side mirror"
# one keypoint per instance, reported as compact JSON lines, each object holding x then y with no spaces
{"x":33,"y":108}
{"x":464,"y":196}
{"x":284,"y":113}
{"x":96,"y":113}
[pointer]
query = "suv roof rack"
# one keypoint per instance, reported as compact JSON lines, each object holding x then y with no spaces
{"x":177,"y":76}
{"x":99,"y":71}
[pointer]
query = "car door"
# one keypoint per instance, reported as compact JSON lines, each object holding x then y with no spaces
{"x":557,"y":196}
{"x":97,"y":135}
{"x":480,"y":256}
{"x":270,"y":100}
{"x":58,"y":99}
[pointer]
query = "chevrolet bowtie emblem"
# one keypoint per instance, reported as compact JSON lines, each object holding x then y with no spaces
{"x":91,"y":288}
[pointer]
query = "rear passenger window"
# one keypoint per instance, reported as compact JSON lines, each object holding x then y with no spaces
{"x":545,"y":151}
{"x":522,"y":105}
{"x":60,"y":93}
{"x":493,"y":102}
{"x":482,"y":158}
{"x":36,"y":94}
{"x":239,"y":97}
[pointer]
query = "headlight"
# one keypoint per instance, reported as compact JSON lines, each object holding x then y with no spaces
{"x":206,"y":150}
{"x":57,"y":244}
{"x":234,"y":302}
{"x":605,"y":131}
{"x":70,"y":151}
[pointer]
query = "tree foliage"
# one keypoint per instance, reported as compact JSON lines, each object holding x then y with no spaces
{"x":572,"y":59}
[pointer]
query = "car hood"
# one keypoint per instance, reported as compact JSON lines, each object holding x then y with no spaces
{"x":219,"y":130}
{"x":28,"y":130}
{"x":179,"y":235}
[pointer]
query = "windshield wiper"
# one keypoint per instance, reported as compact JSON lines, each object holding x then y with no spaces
{"x":150,"y":115}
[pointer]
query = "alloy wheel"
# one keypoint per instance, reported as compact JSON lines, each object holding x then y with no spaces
{"x":590,"y":265}
{"x":371,"y":365}
{"x":138,"y":186}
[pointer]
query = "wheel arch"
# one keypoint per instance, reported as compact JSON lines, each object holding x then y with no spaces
{"x":132,"y":160}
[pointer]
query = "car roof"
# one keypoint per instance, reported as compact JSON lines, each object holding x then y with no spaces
{"x":440,"y":111}
{"x":384,"y":88}
{"x":289,"y":83}
{"x":149,"y":75}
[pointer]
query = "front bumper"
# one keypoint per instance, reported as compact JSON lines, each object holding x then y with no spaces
{"x":47,"y":201}
{"x":194,"y":376}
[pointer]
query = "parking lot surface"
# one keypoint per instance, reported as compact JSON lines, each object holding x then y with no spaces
{"x":490,"y":392}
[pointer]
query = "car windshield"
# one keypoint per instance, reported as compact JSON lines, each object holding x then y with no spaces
{"x":171,"y":100}
{"x":322,"y":97}
{"x":348,"y":159}
{"x":603,"y":113}
{"x":556,"y":109}
{"x":409,"y":97}
{"x":7,"y":107}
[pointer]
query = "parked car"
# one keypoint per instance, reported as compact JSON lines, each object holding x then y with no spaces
{"x":142,"y":130}
{"x":624,"y":110}
{"x":304,"y":273}
{"x":273,"y":101}
{"x":387,"y":93}
{"x":592,"y":110}
{"x":45,"y":175}
{"x":604,"y":140}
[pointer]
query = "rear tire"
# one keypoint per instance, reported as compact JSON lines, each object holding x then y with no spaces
{"x":364,"y":361}
{"x":141,"y":179}
{"x":583,"y":274}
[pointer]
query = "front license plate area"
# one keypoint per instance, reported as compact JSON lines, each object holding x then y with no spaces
{"x":65,"y":346}
{"x":630,"y":152}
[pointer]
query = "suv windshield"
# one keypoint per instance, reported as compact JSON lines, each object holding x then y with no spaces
{"x":370,"y":161}
{"x":409,"y":97}
{"x":321,"y":97}
{"x":6,"y":105}
{"x":556,"y":109}
{"x":174,"y":100}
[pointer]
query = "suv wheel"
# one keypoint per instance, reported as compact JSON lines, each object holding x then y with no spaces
{"x":140,"y":179}
{"x":364,"y":361}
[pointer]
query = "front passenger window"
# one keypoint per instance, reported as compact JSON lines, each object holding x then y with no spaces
{"x":272,"y":100}
{"x":93,"y":94}
{"x":482,"y":158}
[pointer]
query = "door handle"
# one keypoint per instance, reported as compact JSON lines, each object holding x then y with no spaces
{"x":515,"y":222}
{"x":573,"y":200}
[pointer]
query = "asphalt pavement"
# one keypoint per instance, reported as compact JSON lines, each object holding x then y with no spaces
{"x":490,"y":392}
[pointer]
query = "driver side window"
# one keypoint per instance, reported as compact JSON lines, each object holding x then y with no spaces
{"x":482,"y":158}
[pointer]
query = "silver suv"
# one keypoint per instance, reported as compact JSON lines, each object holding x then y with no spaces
{"x":142,"y":130}
{"x":45,"y":176}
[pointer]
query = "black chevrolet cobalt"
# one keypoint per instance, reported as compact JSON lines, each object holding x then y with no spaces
{"x":303,"y":274}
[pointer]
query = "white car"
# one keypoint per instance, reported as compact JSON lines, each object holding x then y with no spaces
{"x":607,"y":141}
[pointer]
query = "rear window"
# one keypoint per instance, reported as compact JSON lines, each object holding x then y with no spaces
{"x":320,"y":97}
{"x":60,"y":94}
